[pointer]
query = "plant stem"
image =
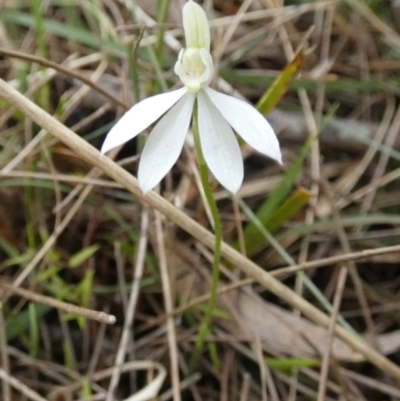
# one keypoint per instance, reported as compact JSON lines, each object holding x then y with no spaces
{"x":204,"y":328}
{"x":162,"y":15}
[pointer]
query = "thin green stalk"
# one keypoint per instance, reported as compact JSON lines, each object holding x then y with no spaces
{"x":37,"y":11}
{"x":204,"y":328}
{"x":162,"y":15}
{"x":134,"y":66}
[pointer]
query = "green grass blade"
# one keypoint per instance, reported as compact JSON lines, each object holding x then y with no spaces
{"x":342,"y":86}
{"x":290,"y":261}
{"x":18,"y":325}
{"x":43,"y":93}
{"x":254,"y":240}
{"x":286,"y":365}
{"x":83,"y":255}
{"x":279,"y":87}
{"x":348,"y":221}
{"x":280,"y":192}
{"x":34,"y":330}
{"x":72,"y":33}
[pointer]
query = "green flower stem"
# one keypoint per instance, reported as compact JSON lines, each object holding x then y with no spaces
{"x":204,"y":328}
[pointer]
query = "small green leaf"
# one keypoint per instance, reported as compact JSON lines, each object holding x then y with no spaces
{"x":285,"y":365}
{"x":82,"y":256}
{"x":21,"y":259}
{"x":279,"y":87}
{"x":283,"y":189}
{"x":85,"y":290}
{"x":255,"y":240}
{"x":217,"y":313}
{"x":56,"y":28}
{"x":86,"y":390}
{"x":49,"y":273}
{"x":278,"y":194}
{"x":18,"y":324}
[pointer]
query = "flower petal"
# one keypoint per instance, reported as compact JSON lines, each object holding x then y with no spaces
{"x":139,"y":117}
{"x":195,"y":25}
{"x":248,"y":123}
{"x":208,"y":73}
{"x":165,"y":143}
{"x":219,"y":145}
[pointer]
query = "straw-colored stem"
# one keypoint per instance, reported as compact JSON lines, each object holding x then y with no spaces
{"x":248,"y":267}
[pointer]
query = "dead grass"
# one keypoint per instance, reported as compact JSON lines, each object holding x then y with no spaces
{"x":308,"y":304}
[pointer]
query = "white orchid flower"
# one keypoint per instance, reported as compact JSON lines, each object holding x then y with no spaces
{"x":217,"y":113}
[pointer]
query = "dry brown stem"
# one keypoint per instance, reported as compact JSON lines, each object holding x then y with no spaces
{"x":92,"y":156}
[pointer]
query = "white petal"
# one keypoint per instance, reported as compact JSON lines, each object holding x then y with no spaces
{"x":248,"y":123}
{"x":139,"y":117}
{"x":165,"y":143}
{"x":208,"y":73}
{"x":195,"y":25}
{"x":219,"y":144}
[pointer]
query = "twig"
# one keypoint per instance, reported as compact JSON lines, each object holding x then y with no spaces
{"x":327,"y":355}
{"x":93,"y":156}
{"x":19,"y":386}
{"x":60,"y":177}
{"x":131,"y":308}
{"x":150,"y":390}
{"x":6,"y":391}
{"x":381,"y":167}
{"x":282,"y":272}
{"x":169,"y":307}
{"x":53,"y":238}
{"x":121,"y":276}
{"x":195,"y":301}
{"x":97,"y":350}
{"x":65,"y":71}
{"x":332,"y":260}
{"x":6,"y":289}
{"x":185,"y":383}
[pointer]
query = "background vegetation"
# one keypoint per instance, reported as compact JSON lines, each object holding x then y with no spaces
{"x":103,"y":291}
